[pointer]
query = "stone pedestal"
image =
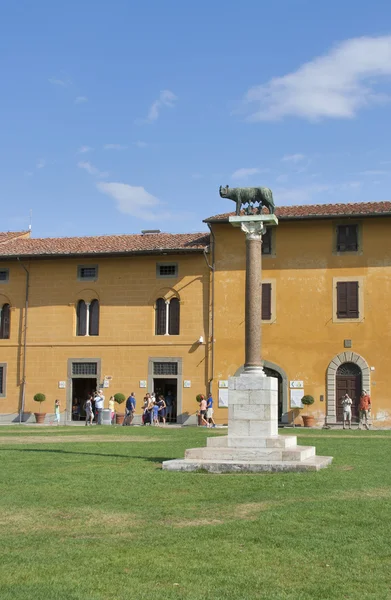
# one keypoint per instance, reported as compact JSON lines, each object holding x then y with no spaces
{"x":253,"y":443}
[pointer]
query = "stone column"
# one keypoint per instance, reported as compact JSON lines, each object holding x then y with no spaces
{"x":253,"y":301}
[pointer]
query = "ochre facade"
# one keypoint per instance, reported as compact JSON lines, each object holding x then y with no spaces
{"x":304,"y":342}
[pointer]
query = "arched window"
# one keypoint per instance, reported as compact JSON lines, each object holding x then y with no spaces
{"x":94,"y":318}
{"x":173,"y":319}
{"x":81,"y":314}
{"x":5,"y":322}
{"x":167,"y":317}
{"x":160,"y":317}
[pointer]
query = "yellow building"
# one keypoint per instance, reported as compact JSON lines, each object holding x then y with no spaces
{"x":166,"y":312}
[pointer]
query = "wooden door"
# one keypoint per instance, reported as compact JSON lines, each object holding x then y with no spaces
{"x":348,"y":384}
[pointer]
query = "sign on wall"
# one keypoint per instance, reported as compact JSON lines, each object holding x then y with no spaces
{"x":143,"y":383}
{"x":62,"y":384}
{"x":296,"y":396}
{"x":296,"y":384}
{"x":223,"y":383}
{"x":106,"y":383}
{"x":186,"y":383}
{"x":223,"y":398}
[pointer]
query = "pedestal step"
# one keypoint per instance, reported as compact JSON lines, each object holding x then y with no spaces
{"x":278,"y":441}
{"x":315,"y":463}
{"x":296,"y":453}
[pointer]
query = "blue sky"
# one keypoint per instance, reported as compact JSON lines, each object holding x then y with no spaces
{"x":120,"y":116}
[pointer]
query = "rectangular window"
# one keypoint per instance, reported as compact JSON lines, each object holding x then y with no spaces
{"x":267,"y":241}
{"x":84,"y":368}
{"x":347,"y":238}
{"x":3,"y":369}
{"x":347,"y":300}
{"x":4,"y":275}
{"x":266,"y":301}
{"x":165,"y":368}
{"x":87,"y":272}
{"x":167,"y":270}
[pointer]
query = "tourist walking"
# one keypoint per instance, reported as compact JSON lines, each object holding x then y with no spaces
{"x":89,"y":411}
{"x":204,"y":422}
{"x":99,"y":405}
{"x":112,"y":409}
{"x":130,"y":409}
{"x":364,"y":408}
{"x":209,"y":411}
{"x":57,"y":412}
{"x":347,"y":410}
{"x":155,"y":413}
{"x":169,"y":405}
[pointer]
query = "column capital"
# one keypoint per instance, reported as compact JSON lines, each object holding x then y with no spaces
{"x":254,"y":230}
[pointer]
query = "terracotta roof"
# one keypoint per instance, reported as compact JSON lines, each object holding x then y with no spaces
{"x":321,"y":211}
{"x":7,"y":236}
{"x":155,"y":243}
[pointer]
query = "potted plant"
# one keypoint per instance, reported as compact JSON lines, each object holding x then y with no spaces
{"x":308,"y":420}
{"x":40,"y":416}
{"x":119,"y":417}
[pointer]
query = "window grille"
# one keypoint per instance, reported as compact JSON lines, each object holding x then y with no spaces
{"x":160,"y":317}
{"x":347,"y":238}
{"x":173,"y":317}
{"x":4,"y":275}
{"x":84,"y":368}
{"x":349,"y":369}
{"x":167,"y":270}
{"x":94,"y":318}
{"x":88,"y":272}
{"x":165,"y":368}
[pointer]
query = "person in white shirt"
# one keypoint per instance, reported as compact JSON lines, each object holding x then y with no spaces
{"x":99,"y":405}
{"x":347,"y":410}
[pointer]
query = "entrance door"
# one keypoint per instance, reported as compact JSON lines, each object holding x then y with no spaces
{"x":348,"y":382}
{"x":162,"y":387}
{"x":273,"y":373}
{"x":81,"y":388}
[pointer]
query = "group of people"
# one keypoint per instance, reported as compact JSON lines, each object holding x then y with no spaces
{"x":206,"y":412}
{"x":94,"y":406}
{"x":155,"y":410}
{"x":364,"y":408}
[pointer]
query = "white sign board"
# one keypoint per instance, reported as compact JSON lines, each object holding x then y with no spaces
{"x":62,"y":384}
{"x":223,"y":383}
{"x":143,"y":383}
{"x":223,"y":398}
{"x":186,"y":383}
{"x":296,"y":396}
{"x":106,"y":383}
{"x":296,"y":384}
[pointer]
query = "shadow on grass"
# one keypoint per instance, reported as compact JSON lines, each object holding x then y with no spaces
{"x":153,"y":459}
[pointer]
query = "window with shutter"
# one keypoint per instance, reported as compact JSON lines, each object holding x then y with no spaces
{"x":347,"y":300}
{"x":266,"y":301}
{"x":267,"y":242}
{"x":5,"y":322}
{"x":347,"y":238}
{"x":81,"y":318}
{"x":173,"y":319}
{"x":160,"y":317}
{"x":94,"y":318}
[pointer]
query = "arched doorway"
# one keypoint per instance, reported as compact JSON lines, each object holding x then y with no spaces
{"x":348,"y":381}
{"x":332,"y":393}
{"x":273,"y":373}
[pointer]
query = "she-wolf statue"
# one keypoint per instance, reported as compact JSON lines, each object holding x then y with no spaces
{"x":250,"y":195}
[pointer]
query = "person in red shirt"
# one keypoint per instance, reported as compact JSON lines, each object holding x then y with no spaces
{"x":364,"y":408}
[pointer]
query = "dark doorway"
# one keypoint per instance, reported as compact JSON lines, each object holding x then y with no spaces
{"x":81,"y":388}
{"x":348,"y":382}
{"x":273,"y":373}
{"x":162,"y":387}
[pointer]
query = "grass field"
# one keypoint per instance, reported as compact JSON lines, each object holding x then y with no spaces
{"x":88,"y":514}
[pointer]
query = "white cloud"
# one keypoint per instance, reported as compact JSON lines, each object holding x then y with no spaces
{"x":374,"y":172}
{"x":166,"y":98}
{"x":335,"y":85}
{"x":84,"y":149}
{"x":133,"y":200}
{"x":307,"y":194}
{"x":114,"y":147}
{"x":28,"y":173}
{"x":140,"y":144}
{"x":41,"y":163}
{"x":243,"y":173}
{"x":61,"y":82}
{"x":91,"y":169}
{"x":81,"y":99}
{"x":294,"y":158}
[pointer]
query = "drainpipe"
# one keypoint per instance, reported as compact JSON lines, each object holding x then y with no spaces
{"x":212,"y":318}
{"x":26,"y":306}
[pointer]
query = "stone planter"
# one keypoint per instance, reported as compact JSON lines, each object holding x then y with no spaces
{"x":308,"y":420}
{"x":119,"y":418}
{"x":40,"y":417}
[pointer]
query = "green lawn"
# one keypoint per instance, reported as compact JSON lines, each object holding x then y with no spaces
{"x":98,"y":519}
